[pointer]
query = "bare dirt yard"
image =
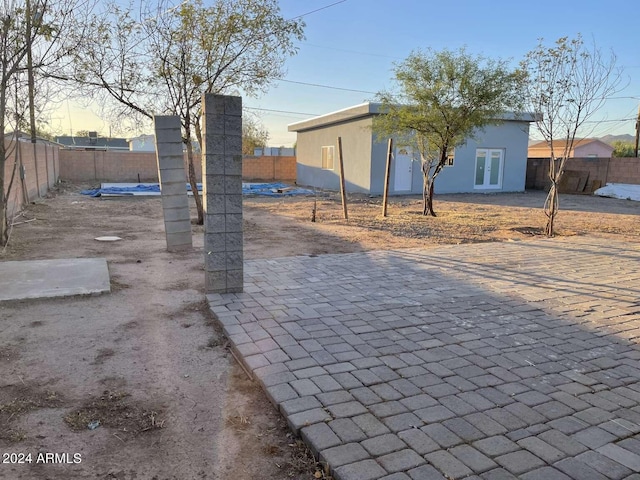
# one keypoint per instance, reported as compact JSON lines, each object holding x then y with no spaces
{"x":138,"y":383}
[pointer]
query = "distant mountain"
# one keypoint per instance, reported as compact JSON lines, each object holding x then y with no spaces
{"x":614,"y":138}
{"x":609,"y":139}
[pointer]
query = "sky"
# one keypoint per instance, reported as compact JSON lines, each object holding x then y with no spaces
{"x":352,"y":46}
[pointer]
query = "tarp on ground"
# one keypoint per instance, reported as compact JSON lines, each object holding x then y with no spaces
{"x":624,"y":191}
{"x":273,"y":189}
{"x":150,"y":189}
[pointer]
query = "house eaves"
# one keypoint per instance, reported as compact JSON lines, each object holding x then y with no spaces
{"x":363,"y":110}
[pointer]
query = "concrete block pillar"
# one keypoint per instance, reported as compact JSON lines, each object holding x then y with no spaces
{"x":222,"y":182}
{"x":173,"y":183}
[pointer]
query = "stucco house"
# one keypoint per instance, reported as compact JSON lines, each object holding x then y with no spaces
{"x":582,"y":148}
{"x":495,"y":161}
{"x":93,"y":142}
{"x":142,"y":143}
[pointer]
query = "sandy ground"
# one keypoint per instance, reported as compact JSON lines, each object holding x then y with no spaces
{"x":147,"y":362}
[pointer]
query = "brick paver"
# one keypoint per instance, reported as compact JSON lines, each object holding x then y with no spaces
{"x":501,"y":360}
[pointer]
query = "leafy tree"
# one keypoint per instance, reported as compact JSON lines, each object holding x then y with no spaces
{"x":567,"y":83}
{"x":623,"y":149}
{"x":444,"y":98}
{"x":162,"y":61}
{"x":36,"y":37}
{"x":254,"y":135}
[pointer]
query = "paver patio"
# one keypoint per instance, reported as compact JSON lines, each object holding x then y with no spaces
{"x":493,"y":361}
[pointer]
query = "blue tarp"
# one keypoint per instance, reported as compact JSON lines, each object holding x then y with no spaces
{"x":269,"y":189}
{"x":96,"y":192}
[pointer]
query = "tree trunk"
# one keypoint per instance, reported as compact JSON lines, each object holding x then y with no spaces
{"x":193,"y":182}
{"x":4,"y":224}
{"x":430,"y":199}
{"x":4,"y":194}
{"x":551,"y":204}
{"x":425,"y":194}
{"x":551,"y":209}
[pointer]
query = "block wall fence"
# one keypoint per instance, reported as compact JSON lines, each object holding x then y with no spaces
{"x":606,"y":170}
{"x":114,"y":166}
{"x":42,"y":170}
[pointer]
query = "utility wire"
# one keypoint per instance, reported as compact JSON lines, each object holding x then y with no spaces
{"x":280,"y":111}
{"x":325,"y":86}
{"x":609,"y":121}
{"x":317,"y":10}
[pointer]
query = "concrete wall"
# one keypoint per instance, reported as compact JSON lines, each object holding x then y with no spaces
{"x":269,"y":168}
{"x":624,"y":170}
{"x":39,"y":176}
{"x":365,"y":159}
{"x":356,"y":151}
{"x":90,"y":166}
{"x":604,"y":170}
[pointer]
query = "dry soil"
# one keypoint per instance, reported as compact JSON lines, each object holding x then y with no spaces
{"x":146,"y":366}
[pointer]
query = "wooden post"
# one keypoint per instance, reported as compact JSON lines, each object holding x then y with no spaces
{"x":635,"y":149}
{"x":343,"y":192}
{"x":387,"y":172}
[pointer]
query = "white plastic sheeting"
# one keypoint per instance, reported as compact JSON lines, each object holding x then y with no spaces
{"x":624,"y":191}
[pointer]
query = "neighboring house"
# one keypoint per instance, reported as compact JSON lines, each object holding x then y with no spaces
{"x":93,"y":142}
{"x":582,"y":148}
{"x":142,"y":143}
{"x":26,"y":137}
{"x":495,"y":161}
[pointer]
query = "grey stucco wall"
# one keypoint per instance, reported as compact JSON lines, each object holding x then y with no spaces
{"x":356,"y":152}
{"x":365,"y":159}
{"x":510,"y":136}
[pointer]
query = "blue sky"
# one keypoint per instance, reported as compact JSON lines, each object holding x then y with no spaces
{"x":353,"y":44}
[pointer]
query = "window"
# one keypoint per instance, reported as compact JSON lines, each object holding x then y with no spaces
{"x":450,"y":157}
{"x":327,"y":158}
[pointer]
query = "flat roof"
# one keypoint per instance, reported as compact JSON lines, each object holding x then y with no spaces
{"x":357,"y":111}
{"x":368,"y":109}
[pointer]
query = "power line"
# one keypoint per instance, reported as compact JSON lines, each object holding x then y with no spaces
{"x":325,"y":86}
{"x":609,"y":121}
{"x":280,"y":111}
{"x":626,"y":98}
{"x":317,"y":10}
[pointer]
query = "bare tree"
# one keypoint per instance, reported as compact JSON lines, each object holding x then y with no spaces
{"x":567,"y":84}
{"x":36,"y":37}
{"x":161,"y":59}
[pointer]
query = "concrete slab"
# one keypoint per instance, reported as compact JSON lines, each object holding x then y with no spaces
{"x":503,"y":360}
{"x":53,"y":278}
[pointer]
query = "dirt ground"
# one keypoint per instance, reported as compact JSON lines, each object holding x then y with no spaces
{"x":146,"y":366}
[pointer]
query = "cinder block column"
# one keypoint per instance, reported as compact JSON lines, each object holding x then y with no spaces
{"x":222,"y":182}
{"x":173,"y":183}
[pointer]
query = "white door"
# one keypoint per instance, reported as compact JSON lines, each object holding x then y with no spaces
{"x":403,"y":170}
{"x":489,"y":164}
